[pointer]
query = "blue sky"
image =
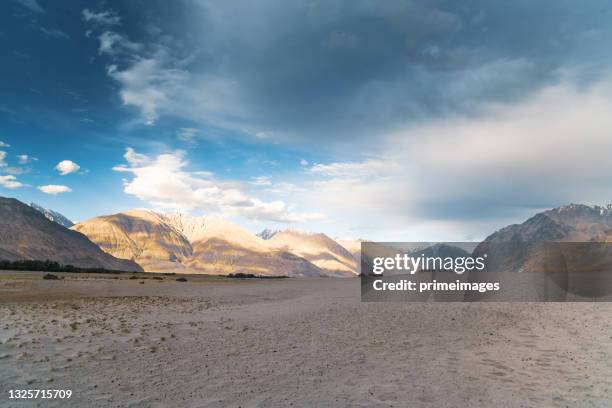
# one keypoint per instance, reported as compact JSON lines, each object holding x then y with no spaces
{"x":392,"y":120}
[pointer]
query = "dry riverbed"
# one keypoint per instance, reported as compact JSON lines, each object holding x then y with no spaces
{"x":212,"y":342}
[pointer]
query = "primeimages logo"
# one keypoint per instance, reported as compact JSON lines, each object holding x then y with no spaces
{"x":412,"y":264}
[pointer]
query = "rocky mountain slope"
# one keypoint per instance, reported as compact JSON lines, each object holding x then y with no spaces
{"x":319,"y":249}
{"x":573,"y":222}
{"x":353,"y":246}
{"x":139,"y":235}
{"x":25,"y":233}
{"x":53,"y":216}
{"x":577,"y":229}
{"x":185,"y":244}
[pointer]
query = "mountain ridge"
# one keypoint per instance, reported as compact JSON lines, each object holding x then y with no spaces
{"x":53,"y":215}
{"x":186,"y":244}
{"x":26,"y":234}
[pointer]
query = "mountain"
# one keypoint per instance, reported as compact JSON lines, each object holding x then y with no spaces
{"x":573,"y":222}
{"x":139,"y":235}
{"x":353,"y":246}
{"x":319,"y":249}
{"x":186,"y":244}
{"x":25,"y":233}
{"x":197,"y":229}
{"x":569,"y":245}
{"x":53,"y":216}
{"x":531,"y":245}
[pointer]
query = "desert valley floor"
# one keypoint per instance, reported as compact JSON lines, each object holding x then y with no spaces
{"x":213,"y":342}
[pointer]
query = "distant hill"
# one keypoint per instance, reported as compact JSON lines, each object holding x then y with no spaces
{"x":522,"y":246}
{"x":573,"y":222}
{"x":353,"y":246}
{"x":53,"y":216}
{"x":26,"y":234}
{"x":319,"y":249}
{"x":142,"y":236}
{"x":185,"y":244}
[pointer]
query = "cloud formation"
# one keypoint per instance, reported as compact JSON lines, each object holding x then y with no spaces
{"x":188,"y":135}
{"x":32,"y":5}
{"x":25,"y":159}
{"x":66,"y":167}
{"x":55,"y":33}
{"x":478,"y":174}
{"x":101,"y":18}
{"x":164,"y":182}
{"x":10,"y":182}
{"x":54,"y":189}
{"x":346,"y":71}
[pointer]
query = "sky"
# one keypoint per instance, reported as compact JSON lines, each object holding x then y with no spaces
{"x":391,"y":121}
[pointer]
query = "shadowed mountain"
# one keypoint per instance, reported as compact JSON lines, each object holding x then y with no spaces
{"x":26,"y":234}
{"x":518,"y":246}
{"x":568,"y":247}
{"x":53,"y":216}
{"x":574,"y":222}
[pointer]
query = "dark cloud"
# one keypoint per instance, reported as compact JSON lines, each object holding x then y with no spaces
{"x":348,"y":68}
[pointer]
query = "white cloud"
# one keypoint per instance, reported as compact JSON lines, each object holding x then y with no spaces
{"x":155,"y":80}
{"x":188,"y":135}
{"x":54,"y":189}
{"x":2,"y":159}
{"x":264,"y":134}
{"x":15,"y":170}
{"x":55,"y":33}
{"x":261,"y":181}
{"x":304,"y":162}
{"x":66,"y":167}
{"x":10,"y":182}
{"x":2,"y":144}
{"x":106,"y":17}
{"x":114,"y":44}
{"x":284,"y":188}
{"x":463,"y":177}
{"x":354,"y":169}
{"x":32,"y":5}
{"x":165,"y":182}
{"x":143,"y":86}
{"x":25,"y":159}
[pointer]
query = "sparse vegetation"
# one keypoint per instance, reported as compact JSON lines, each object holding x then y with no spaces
{"x":240,"y":275}
{"x":50,"y":276}
{"x":49,"y":266}
{"x":181,"y":279}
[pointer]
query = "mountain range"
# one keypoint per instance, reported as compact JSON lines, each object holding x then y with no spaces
{"x":151,"y":241}
{"x":25,"y":233}
{"x":186,"y":244}
{"x":574,"y":228}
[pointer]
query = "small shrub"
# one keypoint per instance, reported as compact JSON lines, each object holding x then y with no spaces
{"x":50,"y":276}
{"x":181,"y":279}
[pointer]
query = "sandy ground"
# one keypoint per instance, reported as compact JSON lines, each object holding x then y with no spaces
{"x":296,"y":342}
